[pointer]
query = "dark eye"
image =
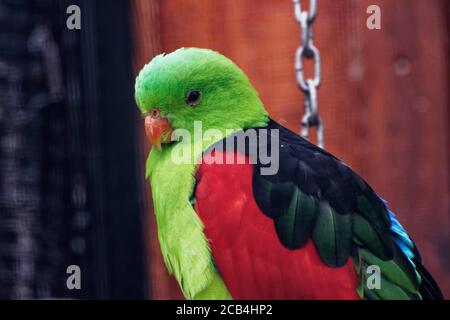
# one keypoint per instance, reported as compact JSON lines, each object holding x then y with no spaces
{"x":193,"y":97}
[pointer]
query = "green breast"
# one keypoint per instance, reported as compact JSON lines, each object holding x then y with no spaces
{"x":183,"y":243}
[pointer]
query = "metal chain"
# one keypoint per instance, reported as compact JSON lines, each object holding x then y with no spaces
{"x":308,"y":51}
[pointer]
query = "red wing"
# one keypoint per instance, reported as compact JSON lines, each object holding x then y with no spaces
{"x":247,"y":252}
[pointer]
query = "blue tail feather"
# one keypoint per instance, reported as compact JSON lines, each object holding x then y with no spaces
{"x":401,"y":237}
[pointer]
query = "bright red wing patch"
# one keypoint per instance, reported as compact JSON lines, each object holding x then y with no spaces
{"x":246,"y":249}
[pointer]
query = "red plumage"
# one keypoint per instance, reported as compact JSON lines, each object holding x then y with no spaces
{"x":249,"y":256}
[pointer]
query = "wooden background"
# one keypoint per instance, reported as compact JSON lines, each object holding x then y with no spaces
{"x":384,"y":96}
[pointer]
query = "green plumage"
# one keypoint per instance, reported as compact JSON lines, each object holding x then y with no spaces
{"x":332,"y":235}
{"x":375,"y":240}
{"x":399,"y":280}
{"x":294,"y":212}
{"x":294,"y":227}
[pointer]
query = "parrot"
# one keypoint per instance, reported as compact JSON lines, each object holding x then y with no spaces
{"x":233,"y":225}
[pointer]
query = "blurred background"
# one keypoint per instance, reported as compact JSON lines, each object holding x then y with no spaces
{"x":72,"y":148}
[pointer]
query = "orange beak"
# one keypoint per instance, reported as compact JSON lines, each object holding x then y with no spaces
{"x":157,"y":128}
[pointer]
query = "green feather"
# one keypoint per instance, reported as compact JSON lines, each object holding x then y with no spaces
{"x":398,"y":270}
{"x":273,"y":196}
{"x":372,"y":213}
{"x":364,"y":234}
{"x":294,"y":227}
{"x":332,"y":235}
{"x":389,"y":291}
{"x":398,"y":279}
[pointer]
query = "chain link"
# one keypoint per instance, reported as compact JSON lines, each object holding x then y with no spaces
{"x":308,"y":51}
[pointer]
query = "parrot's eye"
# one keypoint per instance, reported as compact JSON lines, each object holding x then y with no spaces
{"x":193,"y":97}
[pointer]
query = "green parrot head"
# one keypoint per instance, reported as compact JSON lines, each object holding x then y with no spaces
{"x":192,"y":84}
